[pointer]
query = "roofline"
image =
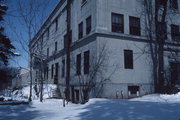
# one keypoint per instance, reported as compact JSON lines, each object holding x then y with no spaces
{"x":58,"y":6}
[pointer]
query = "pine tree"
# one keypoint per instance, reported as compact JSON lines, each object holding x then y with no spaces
{"x":6,"y":46}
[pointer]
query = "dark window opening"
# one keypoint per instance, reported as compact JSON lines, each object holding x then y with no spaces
{"x":56,"y":22}
{"x":134,"y":26}
{"x":56,"y":73}
{"x":128,"y":59}
{"x":117,"y":23}
{"x":52,"y":71}
{"x":88,"y":25}
{"x":133,"y":89}
{"x":78,"y":64}
{"x":86,"y":62}
{"x":47,"y":73}
{"x":175,"y":33}
{"x":162,"y":30}
{"x":55,"y":46}
{"x":77,"y":95}
{"x":63,"y":68}
{"x":80,"y":30}
{"x":66,"y":39}
{"x":175,"y":70}
{"x":174,"y":4}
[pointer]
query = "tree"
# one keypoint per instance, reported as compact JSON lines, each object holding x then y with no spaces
{"x":6,"y":47}
{"x":30,"y":16}
{"x":92,"y":80}
{"x":156,"y":13}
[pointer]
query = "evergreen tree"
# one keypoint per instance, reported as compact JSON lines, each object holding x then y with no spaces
{"x":6,"y":46}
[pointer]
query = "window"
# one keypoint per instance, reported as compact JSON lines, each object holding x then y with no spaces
{"x":133,"y":89}
{"x":52,"y":71}
{"x":80,"y":30}
{"x":134,"y":26}
{"x":88,"y":25}
{"x":56,"y":22}
{"x":63,"y":68}
{"x":86,"y":62}
{"x":162,"y":30}
{"x":55,"y":46}
{"x":175,"y":32}
{"x":78,"y":64}
{"x":117,"y":23}
{"x":47,"y":72}
{"x":66,"y":39}
{"x":56,"y":73}
{"x":128,"y":59}
{"x":174,"y":4}
{"x":47,"y":52}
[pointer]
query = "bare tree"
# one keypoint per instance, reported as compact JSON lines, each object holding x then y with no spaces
{"x":156,"y":17}
{"x":31,"y":15}
{"x":97,"y":74}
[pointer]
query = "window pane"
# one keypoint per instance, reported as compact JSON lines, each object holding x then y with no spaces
{"x":86,"y":62}
{"x":128,"y":59}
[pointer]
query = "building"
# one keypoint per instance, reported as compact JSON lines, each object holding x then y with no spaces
{"x":110,"y":53}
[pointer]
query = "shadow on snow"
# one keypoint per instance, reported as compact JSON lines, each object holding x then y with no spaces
{"x":130,"y":110}
{"x":17,"y":112}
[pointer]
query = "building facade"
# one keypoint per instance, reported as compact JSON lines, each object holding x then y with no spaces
{"x":110,"y":53}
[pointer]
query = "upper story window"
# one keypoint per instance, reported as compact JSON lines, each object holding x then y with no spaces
{"x":175,"y":33}
{"x":52,"y":71}
{"x":86,"y":62}
{"x":55,"y":46}
{"x":128,"y":59}
{"x":117,"y":23}
{"x":174,"y":4}
{"x":80,"y":28}
{"x":134,"y":26}
{"x":88,"y":25}
{"x":63,"y":68}
{"x":78,"y":64}
{"x":66,"y":39}
{"x":56,"y":23}
{"x":162,"y":30}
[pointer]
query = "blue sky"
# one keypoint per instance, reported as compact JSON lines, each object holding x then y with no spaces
{"x":16,"y":30}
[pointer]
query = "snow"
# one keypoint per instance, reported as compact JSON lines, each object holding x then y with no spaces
{"x":150,"y":107}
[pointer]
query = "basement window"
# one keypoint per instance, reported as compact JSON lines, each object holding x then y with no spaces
{"x":133,"y":90}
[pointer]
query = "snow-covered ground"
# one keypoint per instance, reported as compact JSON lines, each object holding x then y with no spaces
{"x":150,"y":107}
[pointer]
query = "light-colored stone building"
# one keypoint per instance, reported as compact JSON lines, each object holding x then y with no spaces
{"x":113,"y":32}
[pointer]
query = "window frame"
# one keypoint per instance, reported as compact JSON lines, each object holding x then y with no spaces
{"x":86,"y":62}
{"x":80,"y":30}
{"x":88,"y":25}
{"x":128,"y":59}
{"x":134,"y":26}
{"x":117,"y":26}
{"x":175,"y":32}
{"x":78,"y":64}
